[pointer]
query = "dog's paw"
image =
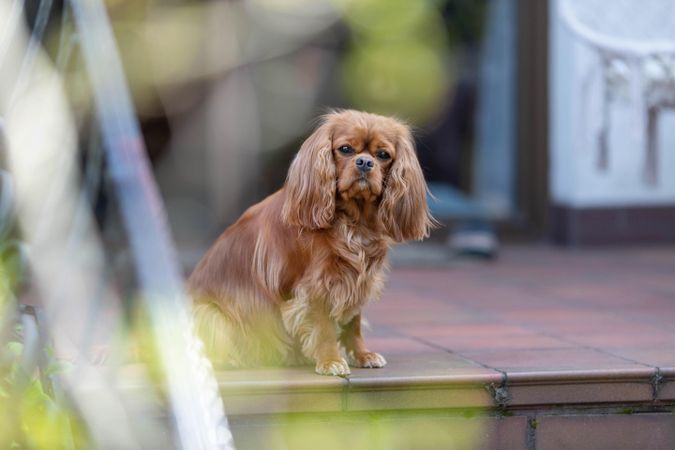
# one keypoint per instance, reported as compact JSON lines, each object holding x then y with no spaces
{"x":370,"y":360}
{"x":338,"y":368}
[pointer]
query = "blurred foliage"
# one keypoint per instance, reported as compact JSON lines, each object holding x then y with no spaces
{"x":399,"y":62}
{"x":30,"y":416}
{"x":406,"y":80}
{"x":37,"y":421}
{"x":380,"y":430}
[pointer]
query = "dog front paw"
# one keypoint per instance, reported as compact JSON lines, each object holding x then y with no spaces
{"x":338,"y":368}
{"x":370,"y":360}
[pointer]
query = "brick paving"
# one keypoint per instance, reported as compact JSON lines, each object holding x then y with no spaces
{"x":536,"y":309}
{"x":542,"y":348}
{"x":537,"y":329}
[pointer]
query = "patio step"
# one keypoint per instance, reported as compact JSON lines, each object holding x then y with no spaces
{"x":542,"y":349}
{"x":441,"y":400}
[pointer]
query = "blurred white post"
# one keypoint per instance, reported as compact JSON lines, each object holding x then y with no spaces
{"x":196,"y":406}
{"x":66,"y":258}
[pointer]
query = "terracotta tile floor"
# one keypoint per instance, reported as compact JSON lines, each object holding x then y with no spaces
{"x":545,"y":325}
{"x":536,"y":309}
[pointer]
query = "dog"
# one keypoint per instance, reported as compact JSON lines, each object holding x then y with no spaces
{"x":286,"y":283}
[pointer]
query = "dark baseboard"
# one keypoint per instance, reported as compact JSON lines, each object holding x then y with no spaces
{"x":612,"y":225}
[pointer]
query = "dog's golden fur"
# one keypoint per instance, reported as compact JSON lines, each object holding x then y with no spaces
{"x":286,"y":283}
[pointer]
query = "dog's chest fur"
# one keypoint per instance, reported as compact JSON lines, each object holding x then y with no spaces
{"x":359,"y":256}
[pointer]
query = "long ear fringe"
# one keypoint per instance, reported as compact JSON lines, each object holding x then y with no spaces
{"x":403,"y":209}
{"x":310,"y":184}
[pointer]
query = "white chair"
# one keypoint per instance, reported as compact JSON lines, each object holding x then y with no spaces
{"x":634,"y":41}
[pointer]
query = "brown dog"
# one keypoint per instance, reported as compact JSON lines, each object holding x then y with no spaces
{"x":287,"y":281}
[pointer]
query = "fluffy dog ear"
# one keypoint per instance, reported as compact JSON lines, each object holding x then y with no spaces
{"x":311,"y":183}
{"x":403,"y":209}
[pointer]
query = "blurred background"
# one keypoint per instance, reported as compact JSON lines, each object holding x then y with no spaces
{"x":536,"y":122}
{"x":227,"y":100}
{"x":227,"y":91}
{"x":256,"y":75}
{"x":526,"y":127}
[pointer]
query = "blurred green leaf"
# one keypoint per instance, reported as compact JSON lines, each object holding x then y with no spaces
{"x":15,"y":348}
{"x":58,"y":367}
{"x":407,"y":80}
{"x":399,"y":62}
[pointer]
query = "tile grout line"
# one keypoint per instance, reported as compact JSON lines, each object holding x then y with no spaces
{"x":598,"y":350}
{"x":556,"y":300}
{"x":656,"y":383}
{"x":531,"y":433}
{"x":500,"y":394}
{"x":565,"y":340}
{"x":552,"y":300}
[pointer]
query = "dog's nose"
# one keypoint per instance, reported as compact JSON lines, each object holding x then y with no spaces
{"x":364,"y":164}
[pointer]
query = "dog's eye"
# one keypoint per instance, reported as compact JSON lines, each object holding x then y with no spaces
{"x":383,"y":155}
{"x":346,"y":150}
